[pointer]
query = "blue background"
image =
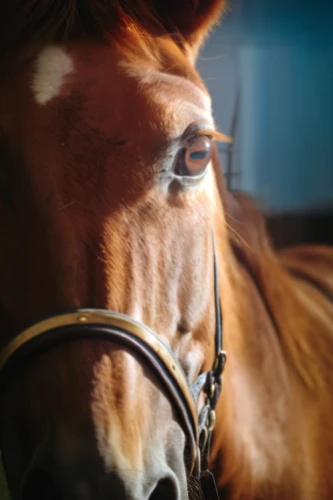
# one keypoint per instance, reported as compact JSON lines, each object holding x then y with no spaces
{"x":277,"y":56}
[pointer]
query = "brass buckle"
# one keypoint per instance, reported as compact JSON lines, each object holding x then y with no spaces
{"x":220,"y":362}
{"x":207,"y":430}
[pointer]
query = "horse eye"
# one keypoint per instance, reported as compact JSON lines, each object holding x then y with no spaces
{"x":194,"y":157}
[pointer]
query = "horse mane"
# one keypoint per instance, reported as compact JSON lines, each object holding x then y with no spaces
{"x":40,"y":22}
{"x":293,"y":342}
{"x":276,"y":277}
{"x":280,"y":278}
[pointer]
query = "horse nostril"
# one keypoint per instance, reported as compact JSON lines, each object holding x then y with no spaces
{"x":165,"y":489}
{"x":39,"y":485}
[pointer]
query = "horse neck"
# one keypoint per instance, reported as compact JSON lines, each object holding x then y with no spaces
{"x":267,"y":381}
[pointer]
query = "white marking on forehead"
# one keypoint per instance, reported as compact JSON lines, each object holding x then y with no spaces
{"x":52,"y":66}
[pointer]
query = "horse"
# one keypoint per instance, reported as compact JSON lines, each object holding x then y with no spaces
{"x":115,"y":224}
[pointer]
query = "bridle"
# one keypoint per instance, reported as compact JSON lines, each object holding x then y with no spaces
{"x":125,"y":331}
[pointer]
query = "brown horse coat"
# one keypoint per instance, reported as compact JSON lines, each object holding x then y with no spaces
{"x":98,"y":101}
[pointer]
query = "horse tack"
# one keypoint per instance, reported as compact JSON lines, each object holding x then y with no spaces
{"x":123,"y":330}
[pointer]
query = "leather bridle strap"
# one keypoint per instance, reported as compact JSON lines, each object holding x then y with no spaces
{"x":220,"y":356}
{"x":121,"y":329}
{"x":212,"y":386}
{"x":117,"y":328}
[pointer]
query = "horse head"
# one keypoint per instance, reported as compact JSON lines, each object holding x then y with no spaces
{"x":108,"y":202}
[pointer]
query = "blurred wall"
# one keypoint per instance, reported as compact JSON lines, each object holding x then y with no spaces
{"x":277,"y":56}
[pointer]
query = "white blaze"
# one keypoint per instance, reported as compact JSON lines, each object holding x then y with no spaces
{"x":52,"y":66}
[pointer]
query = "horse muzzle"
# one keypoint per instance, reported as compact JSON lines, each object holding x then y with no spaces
{"x":155,"y":354}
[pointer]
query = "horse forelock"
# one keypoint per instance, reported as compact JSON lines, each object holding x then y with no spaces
{"x":32,"y":25}
{"x":36,"y":23}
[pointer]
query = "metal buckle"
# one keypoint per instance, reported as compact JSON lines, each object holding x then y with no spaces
{"x":207,"y":430}
{"x":197,"y":467}
{"x":211,"y":420}
{"x":203,"y":439}
{"x":220,"y":362}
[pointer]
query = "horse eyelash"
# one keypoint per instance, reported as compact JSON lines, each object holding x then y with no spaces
{"x":219,"y":136}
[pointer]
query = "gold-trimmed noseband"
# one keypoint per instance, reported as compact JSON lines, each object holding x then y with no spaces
{"x":125,"y":331}
{"x":111,"y":326}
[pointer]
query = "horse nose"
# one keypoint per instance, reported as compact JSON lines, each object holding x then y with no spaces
{"x":40,"y":484}
{"x":165,"y":489}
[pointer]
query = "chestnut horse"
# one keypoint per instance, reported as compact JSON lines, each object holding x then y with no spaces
{"x":110,"y":192}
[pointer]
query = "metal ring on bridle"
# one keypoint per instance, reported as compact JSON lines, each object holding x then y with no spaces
{"x":123,"y":330}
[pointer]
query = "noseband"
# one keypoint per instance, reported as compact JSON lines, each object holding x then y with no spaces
{"x":125,"y":331}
